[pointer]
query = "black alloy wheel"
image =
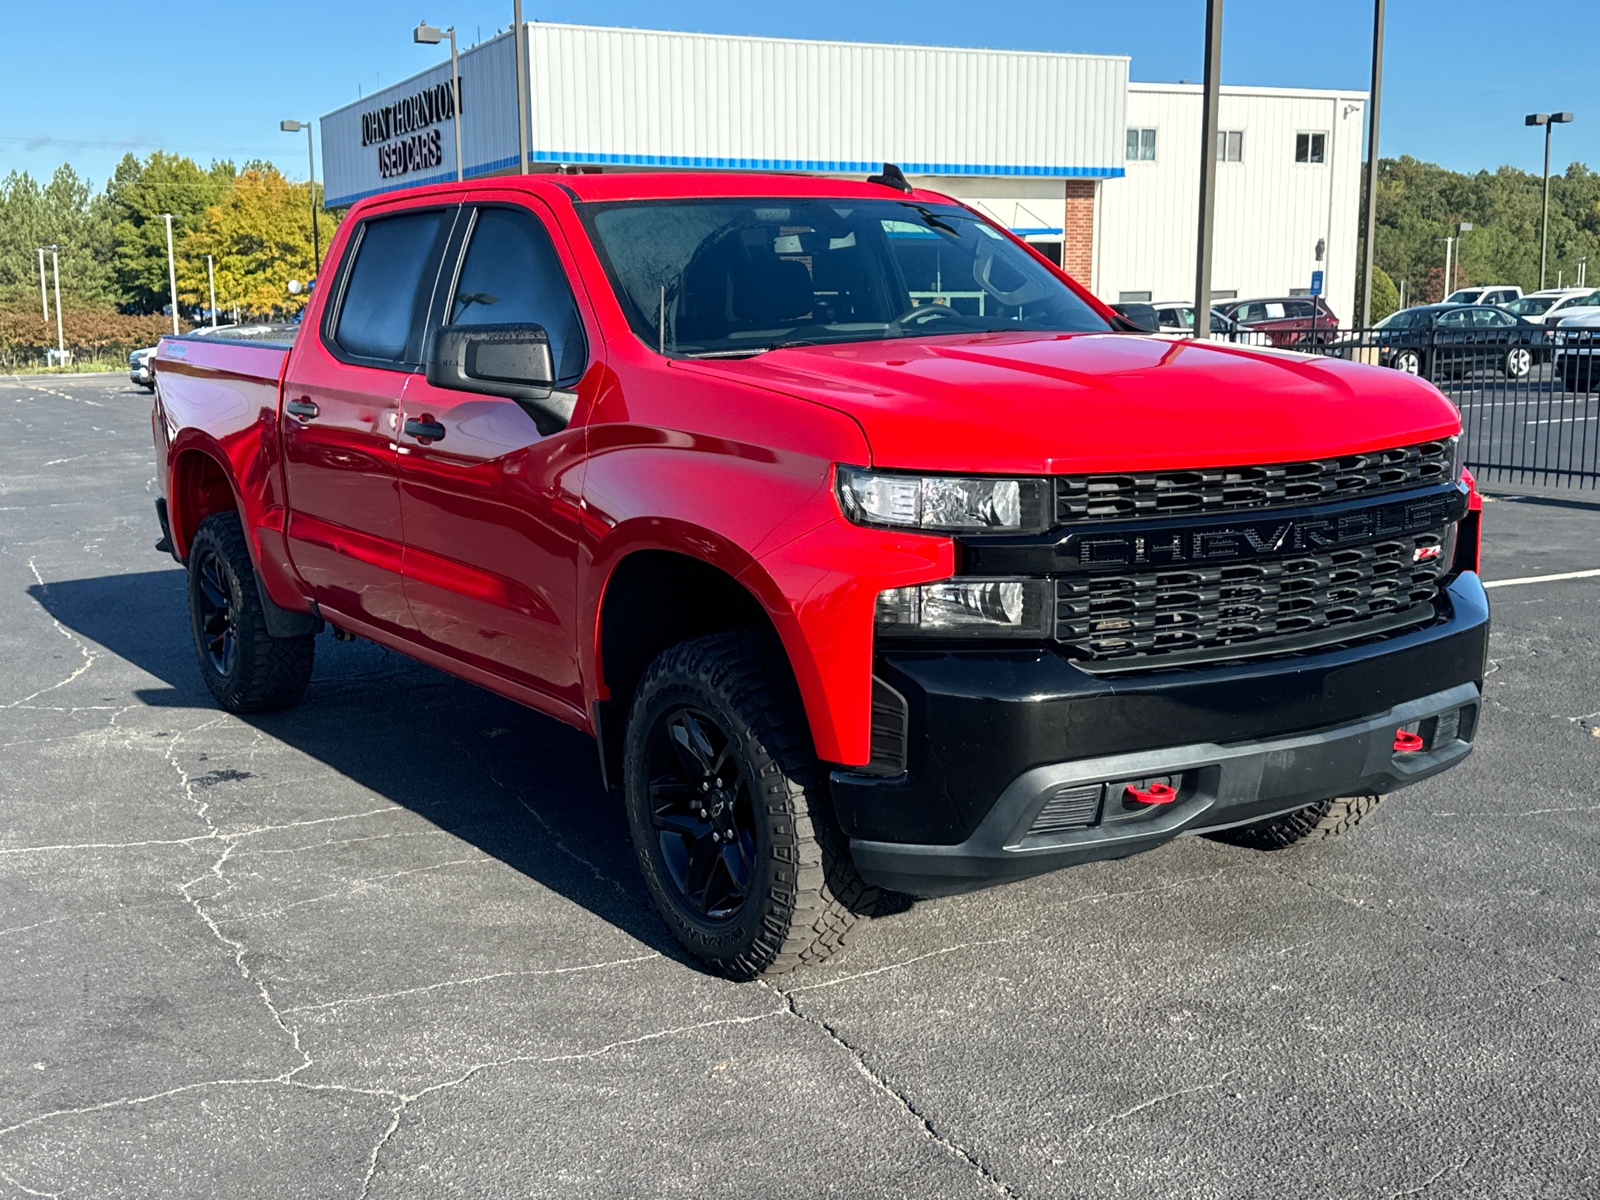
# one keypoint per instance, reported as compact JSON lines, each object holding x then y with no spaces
{"x":218,"y":608}
{"x":702,"y":814}
{"x":729,"y":810}
{"x":244,"y":666}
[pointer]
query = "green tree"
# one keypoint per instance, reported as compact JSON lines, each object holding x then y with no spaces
{"x":260,"y":238}
{"x":140,"y":193}
{"x":63,"y":213}
{"x":1385,"y":296}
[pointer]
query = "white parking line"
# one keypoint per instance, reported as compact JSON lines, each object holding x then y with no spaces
{"x":1543,"y":578}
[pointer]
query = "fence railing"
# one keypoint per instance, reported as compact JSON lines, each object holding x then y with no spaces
{"x":1529,"y":396}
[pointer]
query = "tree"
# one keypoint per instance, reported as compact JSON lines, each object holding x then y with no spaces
{"x":63,"y":213}
{"x":260,"y":238}
{"x":1385,"y":296}
{"x":140,"y":193}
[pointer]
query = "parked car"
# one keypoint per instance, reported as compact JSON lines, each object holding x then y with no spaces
{"x":852,"y":591}
{"x":1550,"y":306}
{"x":1141,"y":314}
{"x":1441,"y":340}
{"x":139,"y":368}
{"x":1177,"y":316}
{"x":1577,"y":350}
{"x":1489,"y":293}
{"x":1287,"y":321}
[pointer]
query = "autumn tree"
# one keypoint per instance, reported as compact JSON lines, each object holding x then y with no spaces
{"x":140,"y":193}
{"x":259,"y":235}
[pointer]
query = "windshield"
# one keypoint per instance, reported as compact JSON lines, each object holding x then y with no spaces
{"x":1469,"y":296}
{"x":1403,"y":319}
{"x":740,"y":276}
{"x":1530,"y":306}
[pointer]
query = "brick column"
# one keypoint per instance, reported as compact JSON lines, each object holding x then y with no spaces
{"x":1077,"y":243}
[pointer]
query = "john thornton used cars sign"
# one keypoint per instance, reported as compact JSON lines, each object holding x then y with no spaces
{"x":410,"y":115}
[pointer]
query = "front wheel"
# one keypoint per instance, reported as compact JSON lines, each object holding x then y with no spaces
{"x":244,"y":666}
{"x":1325,"y":819}
{"x":729,"y":811}
{"x":1518,"y":362}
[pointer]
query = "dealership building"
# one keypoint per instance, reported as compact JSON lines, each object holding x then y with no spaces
{"x":1099,"y":172}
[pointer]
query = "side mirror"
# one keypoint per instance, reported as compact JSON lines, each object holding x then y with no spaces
{"x":513,"y":361}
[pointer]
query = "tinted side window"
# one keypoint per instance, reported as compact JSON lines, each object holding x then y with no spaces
{"x":1453,"y":320}
{"x":512,"y":275}
{"x":382,"y":295}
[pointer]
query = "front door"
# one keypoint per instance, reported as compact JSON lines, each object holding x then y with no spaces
{"x":341,"y":419}
{"x":491,"y":507}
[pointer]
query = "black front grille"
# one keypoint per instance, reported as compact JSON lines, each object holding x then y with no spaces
{"x":1209,"y":490}
{"x":1156,"y":618}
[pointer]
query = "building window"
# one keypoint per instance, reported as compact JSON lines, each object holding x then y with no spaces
{"x":1310,"y":147}
{"x":1133,"y":297}
{"x":1230,"y":145}
{"x":1141,"y":145}
{"x":1229,"y":294}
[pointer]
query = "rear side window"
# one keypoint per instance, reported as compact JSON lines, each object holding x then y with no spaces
{"x":386,"y":285}
{"x":511,"y":275}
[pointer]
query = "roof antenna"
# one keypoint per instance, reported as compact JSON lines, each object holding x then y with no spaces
{"x":893,"y":177}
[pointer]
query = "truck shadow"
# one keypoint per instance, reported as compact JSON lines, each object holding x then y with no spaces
{"x":517,"y":785}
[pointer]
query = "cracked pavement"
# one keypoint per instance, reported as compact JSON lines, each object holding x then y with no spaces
{"x":392,"y":943}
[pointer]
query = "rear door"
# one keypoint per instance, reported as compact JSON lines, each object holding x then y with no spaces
{"x":341,"y":413}
{"x":491,"y":507}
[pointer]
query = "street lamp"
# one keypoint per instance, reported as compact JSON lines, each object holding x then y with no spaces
{"x":55,"y":262}
{"x":1547,"y":120}
{"x":311,"y":165}
{"x":427,"y":35}
{"x":1449,"y":243}
{"x":172,"y":274}
{"x":1461,"y":246}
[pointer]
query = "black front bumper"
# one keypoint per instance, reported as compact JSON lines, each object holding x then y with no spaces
{"x":995,"y":735}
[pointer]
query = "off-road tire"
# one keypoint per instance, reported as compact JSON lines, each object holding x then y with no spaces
{"x":1326,"y":819}
{"x":266,"y":672}
{"x":804,"y":894}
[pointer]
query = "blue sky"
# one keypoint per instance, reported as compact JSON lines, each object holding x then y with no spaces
{"x":213,"y":80}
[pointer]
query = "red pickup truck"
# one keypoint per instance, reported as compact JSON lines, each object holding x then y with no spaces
{"x":873,"y":551}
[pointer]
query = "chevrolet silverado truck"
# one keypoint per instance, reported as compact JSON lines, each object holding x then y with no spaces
{"x":873,"y":551}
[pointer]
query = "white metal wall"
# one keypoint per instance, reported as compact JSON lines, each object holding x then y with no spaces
{"x":649,"y":98}
{"x":1271,"y":210}
{"x":640,"y":98}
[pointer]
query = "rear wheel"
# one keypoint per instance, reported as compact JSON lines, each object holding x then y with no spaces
{"x":1408,"y":361}
{"x":1518,"y":362}
{"x":729,"y":811}
{"x":244,"y":666}
{"x":1325,"y":819}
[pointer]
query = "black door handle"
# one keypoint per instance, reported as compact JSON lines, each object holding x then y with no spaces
{"x":429,"y":431}
{"x":303,"y":409}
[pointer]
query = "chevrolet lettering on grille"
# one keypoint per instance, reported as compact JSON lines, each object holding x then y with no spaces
{"x":1236,"y":540}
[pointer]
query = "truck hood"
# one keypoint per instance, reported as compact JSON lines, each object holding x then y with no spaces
{"x":1580,"y":318}
{"x":1076,"y":403}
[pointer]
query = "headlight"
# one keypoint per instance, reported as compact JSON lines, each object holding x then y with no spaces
{"x":943,"y":503}
{"x":1012,"y":608}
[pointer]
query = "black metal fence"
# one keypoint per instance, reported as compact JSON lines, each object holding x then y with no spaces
{"x":1529,"y":396}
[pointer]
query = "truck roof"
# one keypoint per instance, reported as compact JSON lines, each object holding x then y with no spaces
{"x":669,"y":185}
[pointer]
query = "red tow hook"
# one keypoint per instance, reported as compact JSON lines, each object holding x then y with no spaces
{"x":1407,"y":743}
{"x":1156,"y":793}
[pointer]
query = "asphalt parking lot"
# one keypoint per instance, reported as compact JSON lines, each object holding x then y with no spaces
{"x":393,"y":944}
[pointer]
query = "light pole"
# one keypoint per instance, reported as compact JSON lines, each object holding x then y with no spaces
{"x":426,"y":35}
{"x":211,"y":280}
{"x":1372,"y":165}
{"x":1449,"y":242}
{"x":1461,"y":247}
{"x":55,"y":264}
{"x":1547,"y":120}
{"x":311,"y":166}
{"x":521,"y":44}
{"x":172,"y":273}
{"x":44,"y":299}
{"x":1208,"y":169}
